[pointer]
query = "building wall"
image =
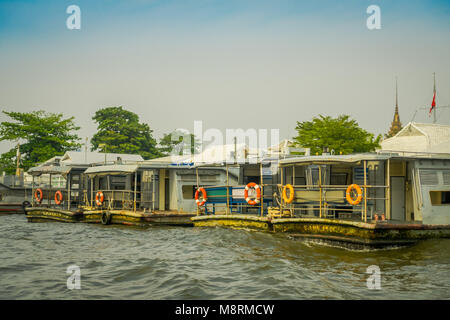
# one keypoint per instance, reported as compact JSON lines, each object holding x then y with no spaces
{"x":187,"y":179}
{"x":433,"y":176}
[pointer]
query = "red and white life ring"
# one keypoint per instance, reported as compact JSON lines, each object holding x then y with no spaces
{"x":258,"y":193}
{"x":205,"y":198}
{"x":99,"y":198}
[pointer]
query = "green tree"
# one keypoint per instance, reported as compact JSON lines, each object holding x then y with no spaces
{"x":119,"y":131}
{"x":341,"y":134}
{"x":178,"y":142}
{"x":41,"y":136}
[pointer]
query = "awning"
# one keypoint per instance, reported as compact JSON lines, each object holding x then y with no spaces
{"x":111,"y":170}
{"x":49,"y":169}
{"x":329,"y":159}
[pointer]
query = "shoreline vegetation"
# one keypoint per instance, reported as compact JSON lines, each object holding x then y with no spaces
{"x":39,"y":136}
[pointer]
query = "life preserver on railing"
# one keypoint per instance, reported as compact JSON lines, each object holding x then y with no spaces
{"x":39,"y":195}
{"x":291,"y":193}
{"x":204,"y":196}
{"x":349,"y":197}
{"x":258,"y":193}
{"x":99,"y":198}
{"x":58,"y":197}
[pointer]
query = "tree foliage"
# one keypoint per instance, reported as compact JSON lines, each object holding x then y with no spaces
{"x":41,"y":136}
{"x":119,"y":131}
{"x":179,"y":142}
{"x":341,"y":134}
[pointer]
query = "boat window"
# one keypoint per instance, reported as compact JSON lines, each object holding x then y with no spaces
{"x":312,"y":175}
{"x":118,"y":182}
{"x":428,"y":177}
{"x":440,"y":198}
{"x":300,"y":181}
{"x":338,"y":179}
{"x":188,"y":191}
{"x":249,"y":179}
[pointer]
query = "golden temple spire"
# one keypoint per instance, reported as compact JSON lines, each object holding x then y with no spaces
{"x":396,"y":125}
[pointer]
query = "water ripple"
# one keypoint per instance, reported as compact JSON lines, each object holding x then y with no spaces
{"x":205,"y":263}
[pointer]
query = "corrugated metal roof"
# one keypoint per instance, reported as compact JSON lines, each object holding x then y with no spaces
{"x":419,"y":137}
{"x":111,"y":169}
{"x":82,"y":158}
{"x":49,"y":169}
{"x":350,"y":158}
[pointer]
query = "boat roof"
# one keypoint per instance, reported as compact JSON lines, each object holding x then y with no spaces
{"x":355,"y":158}
{"x":93,"y":157}
{"x":350,"y":158}
{"x":49,"y":169}
{"x":116,"y":169}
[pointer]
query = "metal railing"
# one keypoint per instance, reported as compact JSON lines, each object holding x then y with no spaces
{"x":329,"y":201}
{"x":75,"y":200}
{"x":231,"y":199}
{"x":119,"y":199}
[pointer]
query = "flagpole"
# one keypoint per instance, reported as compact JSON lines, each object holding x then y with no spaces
{"x":434,"y":92}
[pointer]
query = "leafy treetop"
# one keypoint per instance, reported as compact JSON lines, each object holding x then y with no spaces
{"x":119,"y":131}
{"x":41,"y":136}
{"x":178,"y":142}
{"x":341,"y":134}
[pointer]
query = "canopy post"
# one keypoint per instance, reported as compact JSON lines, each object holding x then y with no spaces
{"x":262,"y":190}
{"x":153,"y":191}
{"x":135,"y":189}
{"x":32,"y":190}
{"x":388,"y":191}
{"x":365,"y":190}
{"x":92,"y":190}
{"x":281,"y":197}
{"x":196,"y":173}
{"x":320,"y":191}
{"x":68,"y":190}
{"x":228,"y":190}
{"x":50,"y":192}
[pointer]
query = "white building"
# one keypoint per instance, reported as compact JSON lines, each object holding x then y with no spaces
{"x":419,"y":138}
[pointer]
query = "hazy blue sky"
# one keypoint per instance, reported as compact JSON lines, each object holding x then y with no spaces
{"x":232,"y":64}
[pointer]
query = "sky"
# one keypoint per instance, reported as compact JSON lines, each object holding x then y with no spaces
{"x":231,"y":64}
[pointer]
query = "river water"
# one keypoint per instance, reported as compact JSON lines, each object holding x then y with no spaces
{"x":205,"y":263}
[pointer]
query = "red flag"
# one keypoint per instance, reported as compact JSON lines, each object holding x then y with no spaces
{"x":433,"y":104}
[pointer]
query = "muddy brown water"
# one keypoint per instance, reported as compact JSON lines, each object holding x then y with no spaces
{"x":206,"y":263}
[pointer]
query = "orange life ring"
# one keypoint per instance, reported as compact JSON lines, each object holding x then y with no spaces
{"x":58,"y":197}
{"x":39,"y":197}
{"x":258,"y":193}
{"x":99,"y":198}
{"x":291,"y":193}
{"x":358,"y":191}
{"x":205,"y":198}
